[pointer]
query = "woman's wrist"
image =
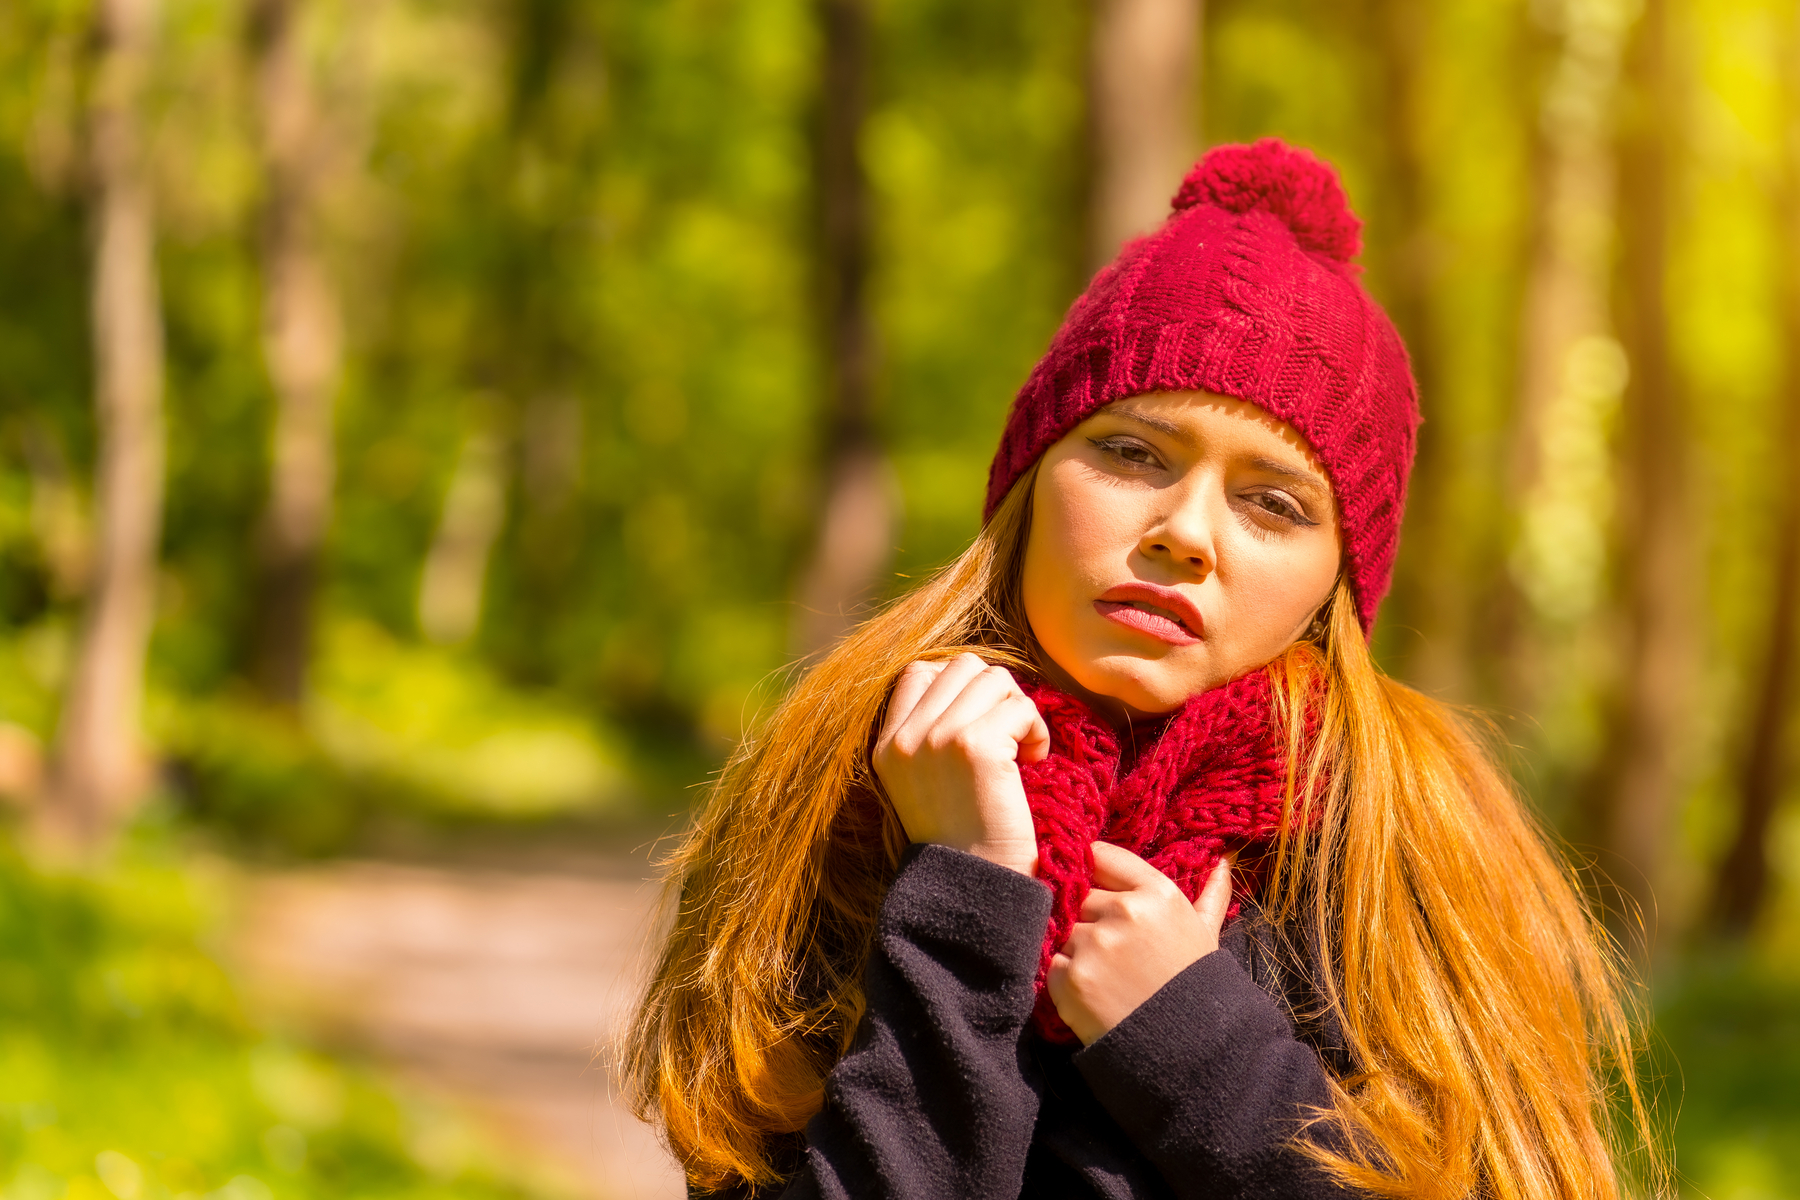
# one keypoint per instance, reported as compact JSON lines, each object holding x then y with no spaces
{"x":1022,"y":858}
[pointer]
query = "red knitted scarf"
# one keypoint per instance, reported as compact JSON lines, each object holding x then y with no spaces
{"x":1211,"y":779}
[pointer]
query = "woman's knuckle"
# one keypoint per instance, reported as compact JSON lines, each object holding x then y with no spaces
{"x":967,"y":739}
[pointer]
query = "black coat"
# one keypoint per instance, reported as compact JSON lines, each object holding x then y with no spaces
{"x":944,"y":1092}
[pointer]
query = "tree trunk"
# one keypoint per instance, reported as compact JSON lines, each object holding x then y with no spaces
{"x":1432,"y":593}
{"x":856,"y":526}
{"x":98,"y":769}
{"x":451,"y":585}
{"x":1640,"y":779}
{"x":1561,"y":403}
{"x":1743,"y":879}
{"x":301,"y":348}
{"x":1144,"y":98}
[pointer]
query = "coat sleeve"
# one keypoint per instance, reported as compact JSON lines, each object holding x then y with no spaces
{"x":1208,"y":1080}
{"x":934,"y":1097}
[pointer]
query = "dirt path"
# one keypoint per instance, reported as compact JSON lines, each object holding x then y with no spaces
{"x":502,"y":988}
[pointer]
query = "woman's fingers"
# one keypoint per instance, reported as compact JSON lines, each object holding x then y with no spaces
{"x":1119,"y":870}
{"x":981,"y":696}
{"x":1097,"y":905}
{"x":972,"y":701}
{"x":1215,"y":897}
{"x":1034,"y":746}
{"x":943,"y":692}
{"x":908,"y":691}
{"x":994,"y":736}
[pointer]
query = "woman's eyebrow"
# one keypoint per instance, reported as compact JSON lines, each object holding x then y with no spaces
{"x":1157,"y":423}
{"x":1276,"y":467}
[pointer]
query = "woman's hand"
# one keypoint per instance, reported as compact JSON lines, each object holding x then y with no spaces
{"x":1137,"y":932}
{"x":949,"y":755}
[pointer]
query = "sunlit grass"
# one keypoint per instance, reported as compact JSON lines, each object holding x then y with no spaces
{"x":390,"y":730}
{"x":437,"y":722}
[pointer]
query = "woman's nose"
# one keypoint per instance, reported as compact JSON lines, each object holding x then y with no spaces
{"x":1184,"y":538}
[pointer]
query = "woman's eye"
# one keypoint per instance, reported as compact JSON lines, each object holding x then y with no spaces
{"x":1281,"y":506}
{"x":1125,"y":450}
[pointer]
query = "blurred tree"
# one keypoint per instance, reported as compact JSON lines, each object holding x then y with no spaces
{"x":450,"y":586}
{"x":528,"y":448}
{"x":1640,"y":771}
{"x":1432,"y":598}
{"x":856,"y":522}
{"x":516,"y":494}
{"x":302,"y":345}
{"x":1143,"y":105}
{"x":1565,"y":334}
{"x":97,"y":769}
{"x":1741,"y":888}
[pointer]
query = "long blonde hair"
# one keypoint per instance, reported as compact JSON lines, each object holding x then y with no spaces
{"x":1484,"y":1007}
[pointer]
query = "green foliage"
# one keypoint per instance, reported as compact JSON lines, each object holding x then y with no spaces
{"x":127,"y":1068}
{"x":1730,"y":1053}
{"x":392,"y":730}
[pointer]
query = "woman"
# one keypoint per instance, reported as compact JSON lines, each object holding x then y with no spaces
{"x":1107,"y":863}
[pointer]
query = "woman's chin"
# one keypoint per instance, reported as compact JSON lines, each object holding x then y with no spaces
{"x":1145,"y":687}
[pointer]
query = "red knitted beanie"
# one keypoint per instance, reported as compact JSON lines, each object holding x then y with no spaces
{"x":1247,"y":290}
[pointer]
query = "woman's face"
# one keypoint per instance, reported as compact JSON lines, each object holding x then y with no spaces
{"x":1177,"y":540}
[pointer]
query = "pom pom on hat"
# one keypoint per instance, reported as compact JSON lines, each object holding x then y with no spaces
{"x":1279,"y":179}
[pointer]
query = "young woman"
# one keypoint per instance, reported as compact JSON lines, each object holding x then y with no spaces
{"x":1107,"y":863}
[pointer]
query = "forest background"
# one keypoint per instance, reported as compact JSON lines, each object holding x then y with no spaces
{"x":420,"y":418}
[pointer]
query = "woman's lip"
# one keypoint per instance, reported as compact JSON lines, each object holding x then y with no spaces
{"x":1156,"y":625}
{"x":1178,"y":623}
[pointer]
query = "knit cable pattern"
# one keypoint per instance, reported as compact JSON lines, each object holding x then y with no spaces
{"x":1213,"y":779}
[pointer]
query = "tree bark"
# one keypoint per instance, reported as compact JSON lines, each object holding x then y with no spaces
{"x":98,"y":768}
{"x":1143,"y":102}
{"x":1641,"y":771}
{"x":301,"y":348}
{"x":1742,"y":885}
{"x":856,"y":526}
